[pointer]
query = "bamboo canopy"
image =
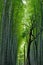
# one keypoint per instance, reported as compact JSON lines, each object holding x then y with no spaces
{"x":21,"y":32}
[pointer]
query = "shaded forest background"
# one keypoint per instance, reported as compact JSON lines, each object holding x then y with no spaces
{"x":21,"y":32}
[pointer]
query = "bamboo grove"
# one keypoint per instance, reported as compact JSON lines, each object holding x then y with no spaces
{"x":21,"y":32}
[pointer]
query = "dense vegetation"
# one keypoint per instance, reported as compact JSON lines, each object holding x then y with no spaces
{"x":21,"y":32}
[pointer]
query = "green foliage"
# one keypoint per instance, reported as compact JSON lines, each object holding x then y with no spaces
{"x":18,"y":22}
